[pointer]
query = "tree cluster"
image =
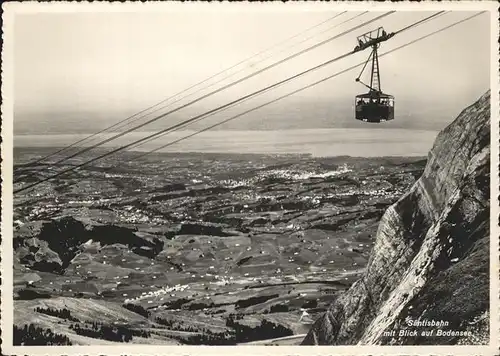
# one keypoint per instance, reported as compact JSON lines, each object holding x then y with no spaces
{"x":110,"y":333}
{"x":31,"y":335}
{"x":210,"y":338}
{"x":205,"y":336}
{"x":59,"y":313}
{"x":137,"y":309}
{"x":266,"y":330}
{"x":279,"y":308}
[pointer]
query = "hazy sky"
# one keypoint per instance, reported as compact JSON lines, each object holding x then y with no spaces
{"x":79,"y":72}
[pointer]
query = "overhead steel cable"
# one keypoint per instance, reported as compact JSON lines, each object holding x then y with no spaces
{"x":428,"y":18}
{"x":134,"y":117}
{"x":238,"y":101}
{"x":221,"y":107}
{"x":424,"y":20}
{"x":293,"y":45}
{"x":224,"y":87}
{"x":356,"y":16}
{"x":213,"y":111}
{"x":239,"y":71}
{"x":302,"y":88}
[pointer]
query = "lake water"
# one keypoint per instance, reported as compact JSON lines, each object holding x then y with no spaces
{"x":318,"y":142}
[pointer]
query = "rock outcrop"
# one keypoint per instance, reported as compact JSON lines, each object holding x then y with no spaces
{"x":430,"y":261}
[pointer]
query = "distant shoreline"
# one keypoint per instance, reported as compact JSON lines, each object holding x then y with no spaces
{"x":20,"y":151}
{"x":372,"y":127}
{"x":364,"y":142}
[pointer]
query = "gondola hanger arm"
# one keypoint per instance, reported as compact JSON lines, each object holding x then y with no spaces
{"x":366,"y":85}
{"x":363,"y":69}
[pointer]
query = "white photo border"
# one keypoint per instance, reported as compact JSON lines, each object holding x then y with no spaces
{"x":11,"y":9}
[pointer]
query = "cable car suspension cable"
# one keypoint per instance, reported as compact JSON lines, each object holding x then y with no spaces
{"x":134,"y":116}
{"x":154,"y":137}
{"x":222,"y":88}
{"x":436,"y":15}
{"x":261,"y":60}
{"x":294,"y":92}
{"x":305,"y":40}
{"x":373,"y":40}
{"x":183,"y":123}
{"x":303,"y":88}
{"x":213,"y":92}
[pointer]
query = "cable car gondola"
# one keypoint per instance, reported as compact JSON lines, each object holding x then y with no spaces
{"x":374,"y":106}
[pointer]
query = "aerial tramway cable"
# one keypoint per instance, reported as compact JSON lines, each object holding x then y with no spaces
{"x":183,"y":123}
{"x":224,"y":87}
{"x":428,"y":18}
{"x":260,"y":106}
{"x":192,"y":119}
{"x":424,"y":20}
{"x":141,"y":114}
{"x":301,"y":89}
{"x":134,"y":117}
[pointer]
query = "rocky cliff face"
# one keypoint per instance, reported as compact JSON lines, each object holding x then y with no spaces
{"x":430,"y":260}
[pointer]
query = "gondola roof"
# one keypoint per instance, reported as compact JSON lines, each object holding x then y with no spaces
{"x":375,"y":95}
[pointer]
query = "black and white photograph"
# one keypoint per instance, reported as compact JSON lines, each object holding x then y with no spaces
{"x":184,"y":178}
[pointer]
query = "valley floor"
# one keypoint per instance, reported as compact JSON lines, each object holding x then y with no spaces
{"x":194,"y":248}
